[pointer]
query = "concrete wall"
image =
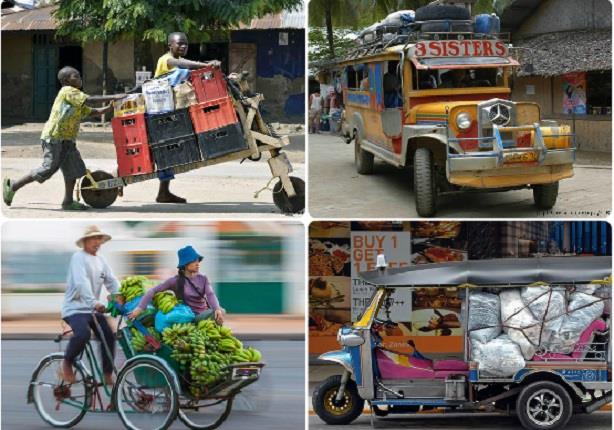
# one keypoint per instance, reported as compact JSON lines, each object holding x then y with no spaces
{"x":567,"y":15}
{"x":593,"y":133}
{"x":16,"y":74}
{"x":121,"y":66}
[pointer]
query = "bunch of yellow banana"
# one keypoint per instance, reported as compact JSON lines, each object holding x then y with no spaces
{"x":165,"y":301}
{"x":132,"y":287}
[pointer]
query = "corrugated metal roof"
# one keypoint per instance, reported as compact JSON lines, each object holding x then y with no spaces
{"x":34,"y":19}
{"x":285,"y":19}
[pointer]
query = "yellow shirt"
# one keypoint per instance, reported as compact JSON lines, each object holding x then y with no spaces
{"x":66,"y":113}
{"x":162,"y":66}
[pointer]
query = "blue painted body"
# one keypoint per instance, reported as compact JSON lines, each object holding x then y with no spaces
{"x":361,"y":99}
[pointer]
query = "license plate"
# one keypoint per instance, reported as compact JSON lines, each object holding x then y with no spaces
{"x":520,"y":157}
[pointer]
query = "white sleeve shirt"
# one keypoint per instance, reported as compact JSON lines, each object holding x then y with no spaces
{"x":86,"y":275}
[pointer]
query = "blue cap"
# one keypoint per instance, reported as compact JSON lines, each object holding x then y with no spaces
{"x":187,"y":255}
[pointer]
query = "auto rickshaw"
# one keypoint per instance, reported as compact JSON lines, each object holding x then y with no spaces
{"x":544,"y":393}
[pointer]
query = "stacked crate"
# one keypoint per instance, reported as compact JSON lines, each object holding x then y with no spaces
{"x":132,"y":145}
{"x":214,"y":118}
{"x":172,"y":139}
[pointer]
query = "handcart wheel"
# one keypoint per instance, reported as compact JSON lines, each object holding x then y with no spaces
{"x":209,"y":416}
{"x":57,"y":403}
{"x":144,"y":396}
{"x":98,"y":199}
{"x":290,"y":204}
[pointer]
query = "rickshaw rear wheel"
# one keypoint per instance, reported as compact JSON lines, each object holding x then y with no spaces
{"x":425,"y":190}
{"x":288,"y":204}
{"x":329,"y":409}
{"x":363,"y":159}
{"x":545,"y":195}
{"x":98,"y":199}
{"x":47,"y":384}
{"x":544,"y":406}
{"x":191,"y":423}
{"x":143,"y":389}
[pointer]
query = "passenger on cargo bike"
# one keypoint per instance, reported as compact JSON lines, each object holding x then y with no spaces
{"x":173,"y":61}
{"x":190,"y":286}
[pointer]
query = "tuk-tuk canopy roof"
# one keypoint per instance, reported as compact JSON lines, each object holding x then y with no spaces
{"x":504,"y":271}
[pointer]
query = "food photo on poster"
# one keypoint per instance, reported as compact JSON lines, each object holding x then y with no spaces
{"x":518,"y":323}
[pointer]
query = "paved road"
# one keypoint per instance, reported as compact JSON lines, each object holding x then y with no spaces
{"x":278,"y":396}
{"x":337,"y":191}
{"x":595,"y":421}
{"x":215,"y":191}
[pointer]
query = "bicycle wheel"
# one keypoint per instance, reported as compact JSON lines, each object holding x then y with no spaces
{"x":144,"y":396}
{"x":209,"y":416}
{"x":57,"y":403}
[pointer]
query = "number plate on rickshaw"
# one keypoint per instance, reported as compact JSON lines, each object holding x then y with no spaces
{"x":245,"y":373}
{"x":520,"y":157}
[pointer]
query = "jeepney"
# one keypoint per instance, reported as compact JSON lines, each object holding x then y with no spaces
{"x":440,"y":102}
{"x":544,"y":393}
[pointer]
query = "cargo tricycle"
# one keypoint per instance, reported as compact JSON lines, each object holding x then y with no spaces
{"x":149,"y":393}
{"x":215,"y":123}
{"x":544,"y":387}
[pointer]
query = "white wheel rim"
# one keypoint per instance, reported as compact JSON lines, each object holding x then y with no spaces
{"x":544,"y":407}
{"x":144,"y":407}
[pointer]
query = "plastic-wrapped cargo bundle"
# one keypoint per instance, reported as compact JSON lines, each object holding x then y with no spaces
{"x":583,"y":309}
{"x":484,"y":317}
{"x":519,"y":323}
{"x":548,"y":306}
{"x":499,"y":358}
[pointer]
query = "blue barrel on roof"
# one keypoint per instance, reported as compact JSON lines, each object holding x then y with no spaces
{"x":487,"y":24}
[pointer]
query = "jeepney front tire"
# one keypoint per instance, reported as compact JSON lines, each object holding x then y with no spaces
{"x":363,"y":159}
{"x":425,"y":190}
{"x":331,"y":411}
{"x":544,"y":406}
{"x":286,"y":204}
{"x":545,"y":195}
{"x":98,"y":199}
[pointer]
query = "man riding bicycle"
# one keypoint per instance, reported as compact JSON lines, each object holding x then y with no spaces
{"x":87,"y":273}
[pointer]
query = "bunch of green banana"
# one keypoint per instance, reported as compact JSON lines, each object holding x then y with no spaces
{"x":132,"y":287}
{"x":165,"y":301}
{"x":138,"y":340}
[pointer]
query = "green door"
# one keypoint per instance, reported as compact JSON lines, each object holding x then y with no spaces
{"x":45,"y":64}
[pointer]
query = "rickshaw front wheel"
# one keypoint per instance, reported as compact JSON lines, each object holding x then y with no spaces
{"x":544,"y":406}
{"x":336,"y":412}
{"x":58,"y":404}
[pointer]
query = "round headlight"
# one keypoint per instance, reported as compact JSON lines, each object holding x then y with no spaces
{"x":463,"y":121}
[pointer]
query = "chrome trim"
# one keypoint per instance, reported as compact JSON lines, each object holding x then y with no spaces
{"x":472,"y":163}
{"x":366,"y":389}
{"x":383,"y":153}
{"x":436,"y":132}
{"x":604,"y":386}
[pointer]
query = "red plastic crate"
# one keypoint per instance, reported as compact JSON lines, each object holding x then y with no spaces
{"x":213,"y":114}
{"x":209,"y":84}
{"x":131,"y":145}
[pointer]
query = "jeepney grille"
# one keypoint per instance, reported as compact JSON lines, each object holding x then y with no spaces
{"x":499,"y":114}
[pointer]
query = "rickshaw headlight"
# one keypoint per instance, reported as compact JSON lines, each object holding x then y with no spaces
{"x":463,"y":121}
{"x":350,"y":339}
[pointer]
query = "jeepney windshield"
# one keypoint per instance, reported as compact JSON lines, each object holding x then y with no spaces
{"x":458,"y":78}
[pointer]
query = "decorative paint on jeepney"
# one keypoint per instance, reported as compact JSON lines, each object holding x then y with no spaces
{"x":360,"y":98}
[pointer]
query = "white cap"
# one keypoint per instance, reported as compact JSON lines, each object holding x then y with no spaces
{"x":381,"y":262}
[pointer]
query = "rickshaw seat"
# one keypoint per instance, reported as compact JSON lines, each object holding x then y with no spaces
{"x":397,"y":366}
{"x":585,"y":339}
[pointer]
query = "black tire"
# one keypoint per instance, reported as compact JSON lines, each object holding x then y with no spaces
{"x":190,"y":423}
{"x":443,"y":27}
{"x":545,"y":195}
{"x":119,"y":403}
{"x":326,"y":407}
{"x":290,"y":205}
{"x":45,"y":363}
{"x":429,"y":13}
{"x":362,"y":159}
{"x":540,"y":400}
{"x":425,"y":191}
{"x":98,"y":199}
